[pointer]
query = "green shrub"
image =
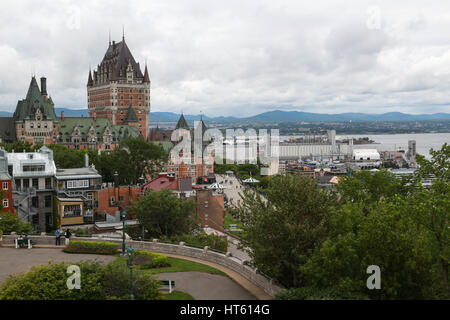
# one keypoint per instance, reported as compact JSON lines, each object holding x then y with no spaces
{"x":95,"y":247}
{"x":312,"y":293}
{"x":98,"y":282}
{"x":82,"y":232}
{"x":147,"y":259}
{"x":10,"y":222}
{"x":202,"y":239}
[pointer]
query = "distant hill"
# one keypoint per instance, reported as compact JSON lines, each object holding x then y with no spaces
{"x":72,"y":112}
{"x":296,"y":116}
{"x":272,"y":116}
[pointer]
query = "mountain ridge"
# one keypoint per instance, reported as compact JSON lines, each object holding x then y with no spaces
{"x":275,"y":116}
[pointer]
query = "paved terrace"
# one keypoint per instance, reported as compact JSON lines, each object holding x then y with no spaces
{"x":201,"y":286}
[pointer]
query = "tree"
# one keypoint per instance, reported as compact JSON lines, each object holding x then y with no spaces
{"x":368,"y":187}
{"x":383,"y":236}
{"x":163,"y":214}
{"x":67,"y":158}
{"x":431,"y":207}
{"x":133,"y":156}
{"x":283,"y":229}
{"x":10,"y":222}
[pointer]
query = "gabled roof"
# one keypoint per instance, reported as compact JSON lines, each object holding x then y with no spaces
{"x":182,"y":124}
{"x":84,"y":124}
{"x":27,"y":107}
{"x":146,"y":77}
{"x":131,"y":115}
{"x":115,"y":63}
{"x":203,"y":126}
{"x":90,"y":82}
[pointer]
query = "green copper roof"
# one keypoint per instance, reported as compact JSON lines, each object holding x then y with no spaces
{"x":27,"y":107}
{"x":166,"y":145}
{"x":182,"y":124}
{"x":88,"y":126}
{"x":131,"y":115}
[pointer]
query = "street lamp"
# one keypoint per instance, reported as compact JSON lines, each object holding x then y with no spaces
{"x":123,"y":215}
{"x":130,"y":253}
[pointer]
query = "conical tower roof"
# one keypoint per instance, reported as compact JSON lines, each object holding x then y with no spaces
{"x":26,"y":108}
{"x":182,"y":124}
{"x":131,"y":115}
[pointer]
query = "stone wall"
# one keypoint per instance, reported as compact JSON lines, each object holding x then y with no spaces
{"x":205,"y":254}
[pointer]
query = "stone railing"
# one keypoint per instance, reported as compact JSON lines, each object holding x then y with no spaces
{"x":206,"y":254}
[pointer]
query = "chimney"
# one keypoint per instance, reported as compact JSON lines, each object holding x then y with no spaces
{"x":86,"y":160}
{"x":44,"y":88}
{"x":62,"y":115}
{"x":95,"y":116}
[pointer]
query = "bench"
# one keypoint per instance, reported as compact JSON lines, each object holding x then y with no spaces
{"x":21,"y":243}
{"x":168,"y":285}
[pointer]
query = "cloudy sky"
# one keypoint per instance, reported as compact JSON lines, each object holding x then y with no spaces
{"x":238,"y":57}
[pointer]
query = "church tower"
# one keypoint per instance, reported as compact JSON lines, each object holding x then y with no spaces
{"x":118,"y":90}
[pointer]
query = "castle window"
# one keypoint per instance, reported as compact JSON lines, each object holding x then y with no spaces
{"x":31,"y":125}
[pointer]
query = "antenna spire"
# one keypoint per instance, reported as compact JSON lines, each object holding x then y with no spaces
{"x":123,"y":32}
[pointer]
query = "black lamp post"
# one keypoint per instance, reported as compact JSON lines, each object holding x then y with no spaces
{"x":123,"y":215}
{"x":130,"y":253}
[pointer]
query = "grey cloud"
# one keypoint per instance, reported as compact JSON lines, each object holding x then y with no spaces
{"x":237,"y":58}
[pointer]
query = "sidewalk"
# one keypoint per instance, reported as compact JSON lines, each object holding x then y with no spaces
{"x":259,"y":293}
{"x":51,"y":246}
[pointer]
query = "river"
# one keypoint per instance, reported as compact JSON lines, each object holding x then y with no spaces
{"x":384,"y":142}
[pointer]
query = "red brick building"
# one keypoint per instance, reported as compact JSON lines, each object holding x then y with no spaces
{"x":108,"y":198}
{"x":210,"y":209}
{"x":118,"y":90}
{"x":5,"y":184}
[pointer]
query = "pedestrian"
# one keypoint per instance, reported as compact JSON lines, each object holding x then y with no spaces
{"x":68,"y":235}
{"x":58,"y":236}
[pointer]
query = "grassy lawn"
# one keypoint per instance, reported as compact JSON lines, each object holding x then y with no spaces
{"x":229,"y":219}
{"x":177,"y":295}
{"x":180,"y":265}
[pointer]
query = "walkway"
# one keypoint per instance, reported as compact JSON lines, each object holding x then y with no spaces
{"x":205,"y":286}
{"x":199,"y":285}
{"x":256,"y":291}
{"x":14,"y":260}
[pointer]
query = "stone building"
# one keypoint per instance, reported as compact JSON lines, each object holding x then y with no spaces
{"x":185,"y":166}
{"x":35,"y":121}
{"x":33,"y":174}
{"x":118,"y":90}
{"x":77,"y":194}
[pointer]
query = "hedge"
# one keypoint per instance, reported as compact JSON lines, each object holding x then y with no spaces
{"x":98,"y":282}
{"x":95,"y":247}
{"x":312,"y":293}
{"x":147,"y":259}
